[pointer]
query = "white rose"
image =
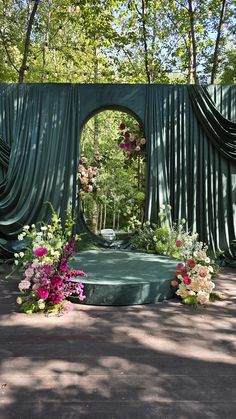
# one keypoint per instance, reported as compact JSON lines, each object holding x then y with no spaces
{"x":16,"y":255}
{"x":21,"y":254}
{"x":207,"y":260}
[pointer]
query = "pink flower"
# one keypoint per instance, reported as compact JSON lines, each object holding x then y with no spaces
{"x":84,"y":159}
{"x":179,"y":243}
{"x":143,"y":141}
{"x":89,"y":188}
{"x":42,"y":293}
{"x":29,"y":272}
{"x":191,"y":263}
{"x":40,"y":252}
{"x":203,"y":272}
{"x":137,"y":148}
{"x":98,"y":158}
{"x":122,"y":126}
{"x":187,"y":280}
{"x":84,"y":180}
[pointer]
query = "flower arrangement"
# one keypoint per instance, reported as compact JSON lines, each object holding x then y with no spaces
{"x":47,"y":279}
{"x":88,"y":172}
{"x":132,"y":142}
{"x":194,"y":275}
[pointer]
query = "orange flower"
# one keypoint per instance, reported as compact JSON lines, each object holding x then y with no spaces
{"x":174,"y":283}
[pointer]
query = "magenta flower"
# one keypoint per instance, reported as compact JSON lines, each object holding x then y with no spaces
{"x":180,"y":265}
{"x":42,"y":293}
{"x":122,"y":126}
{"x":63,"y":267}
{"x":40,"y":252}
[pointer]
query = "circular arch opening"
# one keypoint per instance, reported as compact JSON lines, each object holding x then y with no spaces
{"x":111,"y":172}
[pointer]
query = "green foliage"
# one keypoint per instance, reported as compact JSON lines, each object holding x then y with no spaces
{"x":113,"y":40}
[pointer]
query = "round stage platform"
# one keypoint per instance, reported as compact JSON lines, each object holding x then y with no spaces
{"x":117,"y":277}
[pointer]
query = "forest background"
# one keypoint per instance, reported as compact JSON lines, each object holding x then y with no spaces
{"x":116,"y":41}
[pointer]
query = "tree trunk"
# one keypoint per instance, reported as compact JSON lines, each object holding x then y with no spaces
{"x":217,"y":44}
{"x":144,"y":28}
{"x":193,"y":78}
{"x":45,"y":46}
{"x":27,"y":42}
{"x":105,"y":215}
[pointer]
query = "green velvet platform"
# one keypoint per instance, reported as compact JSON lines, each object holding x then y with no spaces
{"x":117,"y":277}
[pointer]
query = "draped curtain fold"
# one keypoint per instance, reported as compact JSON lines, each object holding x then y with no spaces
{"x":44,"y":121}
{"x":187,"y":170}
{"x":220,"y":130}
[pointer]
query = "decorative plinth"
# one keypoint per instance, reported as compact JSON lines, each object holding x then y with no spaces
{"x":117,"y":277}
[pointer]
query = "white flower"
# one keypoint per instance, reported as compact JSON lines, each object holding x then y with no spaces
{"x":16,"y":255}
{"x":21,"y":254}
{"x":16,"y":262}
{"x":19,"y":300}
{"x":26,"y":227}
{"x":44,"y":228}
{"x":20,"y":236}
{"x":33,"y":226}
{"x":24,"y":285}
{"x":207,"y":260}
{"x":202,"y":297}
{"x":41,"y":304}
{"x":50,"y":235}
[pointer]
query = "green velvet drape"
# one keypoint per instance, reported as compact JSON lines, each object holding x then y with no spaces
{"x":190,"y":157}
{"x":43,"y":122}
{"x":187,"y":169}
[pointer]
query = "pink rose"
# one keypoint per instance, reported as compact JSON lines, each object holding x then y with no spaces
{"x":40,"y":252}
{"x":179,"y":243}
{"x":42,"y":293}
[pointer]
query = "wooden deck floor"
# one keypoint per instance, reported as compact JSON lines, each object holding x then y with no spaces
{"x":162,"y":360}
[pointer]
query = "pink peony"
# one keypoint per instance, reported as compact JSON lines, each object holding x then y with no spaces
{"x":42,"y":293}
{"x":187,"y":280}
{"x":122,"y":126}
{"x":191,"y":263}
{"x":179,"y":243}
{"x":40,"y":252}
